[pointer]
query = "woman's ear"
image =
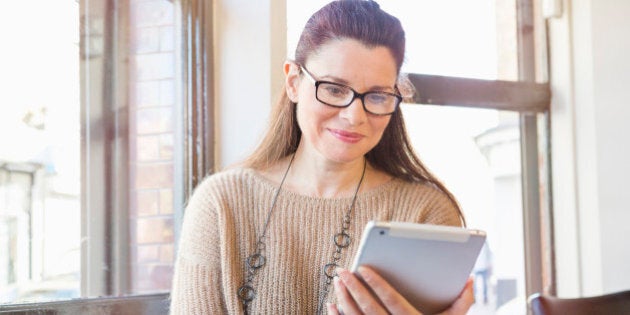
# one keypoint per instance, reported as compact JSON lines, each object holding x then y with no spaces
{"x":292,"y":80}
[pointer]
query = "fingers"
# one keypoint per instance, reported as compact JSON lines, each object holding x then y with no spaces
{"x":332,"y":309}
{"x":393,"y":301}
{"x":464,"y":301}
{"x":344,"y":298}
{"x":354,"y":297}
{"x":360,"y":299}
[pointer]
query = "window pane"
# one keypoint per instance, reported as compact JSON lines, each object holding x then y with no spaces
{"x":89,"y":173}
{"x":40,"y":224}
{"x":132,"y":57}
{"x":461,"y":38}
{"x":154,"y":112}
{"x":476,"y":153}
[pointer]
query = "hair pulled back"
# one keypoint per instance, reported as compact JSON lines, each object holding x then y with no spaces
{"x":361,"y":20}
{"x":366,"y":22}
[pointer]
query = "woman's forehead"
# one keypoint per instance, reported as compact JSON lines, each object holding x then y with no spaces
{"x":350,"y":60}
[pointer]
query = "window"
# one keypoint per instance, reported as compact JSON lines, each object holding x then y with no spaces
{"x":130,"y":118}
{"x":489,"y":143}
{"x":479,"y":123}
{"x":112,"y":129}
{"x":39,"y":152}
{"x":130,"y":95}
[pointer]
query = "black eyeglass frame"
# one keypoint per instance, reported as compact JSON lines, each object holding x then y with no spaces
{"x":355,"y":95}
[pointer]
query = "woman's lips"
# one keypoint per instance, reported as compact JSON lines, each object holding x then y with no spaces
{"x":346,"y":136}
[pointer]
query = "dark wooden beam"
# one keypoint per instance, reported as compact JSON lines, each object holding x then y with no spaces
{"x":503,"y":95}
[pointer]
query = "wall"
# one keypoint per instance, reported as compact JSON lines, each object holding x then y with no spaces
{"x":589,"y":76}
{"x":250,"y":50}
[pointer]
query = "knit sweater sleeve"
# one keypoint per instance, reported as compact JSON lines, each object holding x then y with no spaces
{"x":440,"y":210}
{"x":197,"y":277}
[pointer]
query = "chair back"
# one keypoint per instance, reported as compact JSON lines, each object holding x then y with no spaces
{"x":612,"y":303}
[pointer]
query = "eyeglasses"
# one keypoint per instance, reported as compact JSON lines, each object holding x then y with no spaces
{"x":339,"y":95}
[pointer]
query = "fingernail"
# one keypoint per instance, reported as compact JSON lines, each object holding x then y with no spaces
{"x":336,"y":282}
{"x":364,"y":273}
{"x":340,"y":272}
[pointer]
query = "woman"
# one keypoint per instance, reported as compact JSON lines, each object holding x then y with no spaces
{"x":275,"y":235}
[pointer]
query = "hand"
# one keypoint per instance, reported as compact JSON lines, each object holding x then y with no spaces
{"x":354,"y":297}
{"x":464,"y":301}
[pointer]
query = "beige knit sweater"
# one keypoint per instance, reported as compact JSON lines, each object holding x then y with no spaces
{"x":226,"y":214}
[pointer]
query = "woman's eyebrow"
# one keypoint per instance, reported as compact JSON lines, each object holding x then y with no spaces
{"x":384,"y":88}
{"x":335,"y":79}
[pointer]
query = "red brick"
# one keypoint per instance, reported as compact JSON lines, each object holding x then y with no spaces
{"x":167,"y":38}
{"x":154,"y":66}
{"x":154,"y":120}
{"x":166,"y":254}
{"x":148,"y":253}
{"x":147,"y":202}
{"x":141,"y":279}
{"x":166,"y":147}
{"x":145,"y":94}
{"x":152,"y":278}
{"x":148,"y":148}
{"x":154,"y":175}
{"x":154,"y":230}
{"x":145,"y":39}
{"x":162,"y":277}
{"x":167,"y":92}
{"x":152,"y":13}
{"x":166,"y":201}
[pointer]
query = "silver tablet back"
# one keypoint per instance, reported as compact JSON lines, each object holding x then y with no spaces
{"x":427,"y":264}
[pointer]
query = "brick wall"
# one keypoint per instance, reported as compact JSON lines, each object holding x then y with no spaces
{"x":152,"y":61}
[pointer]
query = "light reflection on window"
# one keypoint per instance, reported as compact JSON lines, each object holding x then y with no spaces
{"x":39,"y":151}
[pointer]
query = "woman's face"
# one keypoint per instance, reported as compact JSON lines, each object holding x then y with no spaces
{"x":341,"y":134}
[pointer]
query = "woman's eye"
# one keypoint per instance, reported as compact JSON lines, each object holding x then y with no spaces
{"x":377,"y":98}
{"x":336,"y":90}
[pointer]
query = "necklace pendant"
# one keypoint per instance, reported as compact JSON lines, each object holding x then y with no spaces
{"x":246,"y":293}
{"x":256,"y":261}
{"x":342,"y":239}
{"x":330,"y":270}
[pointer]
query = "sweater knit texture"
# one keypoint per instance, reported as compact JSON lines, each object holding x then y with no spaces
{"x":226,"y":214}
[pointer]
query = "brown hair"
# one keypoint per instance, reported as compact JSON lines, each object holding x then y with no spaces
{"x":363,"y":21}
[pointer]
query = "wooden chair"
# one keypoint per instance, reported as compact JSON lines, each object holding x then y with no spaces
{"x":612,"y":303}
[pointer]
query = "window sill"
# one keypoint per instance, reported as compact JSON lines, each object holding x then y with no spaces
{"x":136,"y":304}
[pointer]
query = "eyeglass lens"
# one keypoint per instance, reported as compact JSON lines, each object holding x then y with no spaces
{"x":339,"y":95}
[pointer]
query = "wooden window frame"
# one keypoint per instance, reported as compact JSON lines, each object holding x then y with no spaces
{"x":532,"y":101}
{"x":524,"y":96}
{"x":104,"y":126}
{"x":105,"y":120}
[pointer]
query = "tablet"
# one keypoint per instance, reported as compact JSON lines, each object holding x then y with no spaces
{"x":427,"y":264}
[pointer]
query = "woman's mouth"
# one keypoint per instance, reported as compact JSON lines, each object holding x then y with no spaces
{"x":346,"y":136}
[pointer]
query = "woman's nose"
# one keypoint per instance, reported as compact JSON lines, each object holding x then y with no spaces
{"x":355,"y":113}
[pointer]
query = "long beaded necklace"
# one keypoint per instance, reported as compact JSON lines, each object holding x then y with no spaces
{"x":247,"y":293}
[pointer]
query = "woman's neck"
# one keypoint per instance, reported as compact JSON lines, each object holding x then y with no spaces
{"x":318,"y":178}
{"x":312,"y":175}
